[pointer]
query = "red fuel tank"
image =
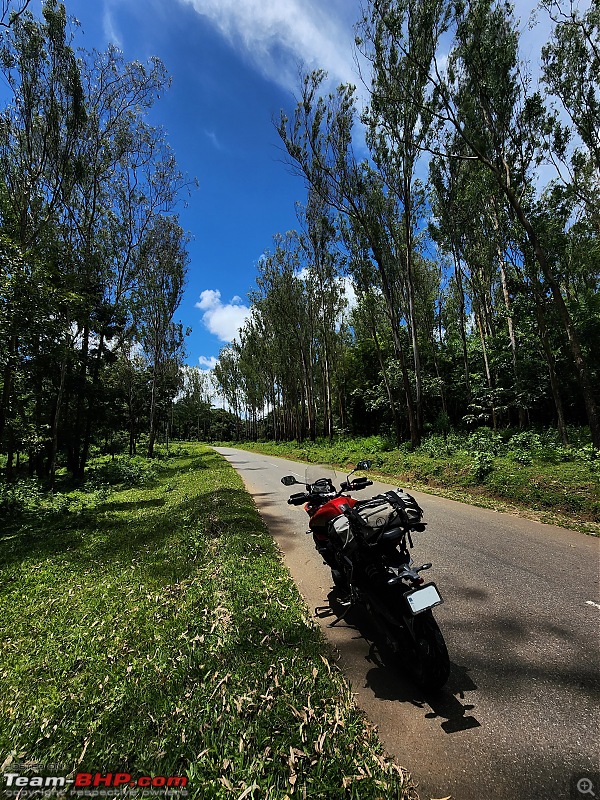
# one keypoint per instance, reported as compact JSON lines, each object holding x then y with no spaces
{"x":328,"y":511}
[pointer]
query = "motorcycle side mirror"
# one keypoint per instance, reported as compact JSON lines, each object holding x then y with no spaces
{"x":289,"y":480}
{"x":364,"y":465}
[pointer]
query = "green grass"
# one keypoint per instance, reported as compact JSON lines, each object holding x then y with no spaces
{"x":525,"y":474}
{"x":153,"y":630}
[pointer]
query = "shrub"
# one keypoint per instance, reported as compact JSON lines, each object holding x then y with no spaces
{"x":28,"y":495}
{"x":525,"y":440}
{"x":521,"y":457}
{"x":436,"y":446}
{"x":483,"y":464}
{"x":15,"y":498}
{"x":589,"y":456}
{"x":126,"y":471}
{"x":487,"y":441}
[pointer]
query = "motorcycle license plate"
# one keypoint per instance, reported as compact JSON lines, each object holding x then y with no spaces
{"x":423,"y":598}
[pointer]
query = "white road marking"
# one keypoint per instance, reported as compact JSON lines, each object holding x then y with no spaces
{"x":591,"y":603}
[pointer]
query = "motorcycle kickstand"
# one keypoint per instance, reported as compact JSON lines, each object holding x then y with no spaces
{"x":338,"y":619}
{"x":348,"y":603}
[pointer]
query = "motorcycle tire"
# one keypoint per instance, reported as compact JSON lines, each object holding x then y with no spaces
{"x":430,"y":663}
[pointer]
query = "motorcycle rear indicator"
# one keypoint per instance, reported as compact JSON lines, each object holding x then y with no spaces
{"x":423,"y":598}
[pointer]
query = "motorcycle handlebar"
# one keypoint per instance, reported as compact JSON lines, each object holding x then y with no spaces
{"x":302,"y":497}
{"x":297,"y":499}
{"x":355,"y":486}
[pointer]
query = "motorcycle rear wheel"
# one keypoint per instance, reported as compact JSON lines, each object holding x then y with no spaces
{"x":430,"y":663}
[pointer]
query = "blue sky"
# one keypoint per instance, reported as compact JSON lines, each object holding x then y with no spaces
{"x":234,"y":66}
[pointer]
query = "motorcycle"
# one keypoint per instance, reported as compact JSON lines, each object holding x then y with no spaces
{"x":366,"y":545}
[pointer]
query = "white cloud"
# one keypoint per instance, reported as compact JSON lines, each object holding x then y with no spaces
{"x":110,"y":31}
{"x":215,"y":141}
{"x":278,"y":35}
{"x":209,"y":363}
{"x":222,"y":319}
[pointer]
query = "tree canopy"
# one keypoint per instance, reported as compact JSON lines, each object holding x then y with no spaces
{"x":476,"y":285}
{"x":444,"y":270}
{"x":93,"y":258}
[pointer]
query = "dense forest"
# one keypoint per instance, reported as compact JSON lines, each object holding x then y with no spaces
{"x":444,"y":271}
{"x":93,"y":258}
{"x":460,"y":205}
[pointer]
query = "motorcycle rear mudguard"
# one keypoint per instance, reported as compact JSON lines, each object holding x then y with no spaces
{"x":392,"y":611}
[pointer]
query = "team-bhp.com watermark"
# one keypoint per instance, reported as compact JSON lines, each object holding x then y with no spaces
{"x":93,"y":784}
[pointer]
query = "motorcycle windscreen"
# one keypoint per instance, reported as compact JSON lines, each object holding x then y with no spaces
{"x":421,"y":599}
{"x":315,"y":472}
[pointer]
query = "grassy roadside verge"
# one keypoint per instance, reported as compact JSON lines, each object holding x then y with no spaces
{"x":525,"y":480}
{"x":153,"y":630}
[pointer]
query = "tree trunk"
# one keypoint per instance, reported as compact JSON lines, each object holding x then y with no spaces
{"x":415,"y":436}
{"x":7,"y":385}
{"x":55,"y":421}
{"x":388,"y":389}
{"x":81,"y":396}
{"x":411,"y":306}
{"x":463,"y":332}
{"x":309,"y":390}
{"x":509,"y":318}
{"x":152,"y":431}
{"x":87,"y":436}
{"x":513,"y":341}
{"x":554,"y":385}
{"x":487,"y":366}
{"x":328,"y":411}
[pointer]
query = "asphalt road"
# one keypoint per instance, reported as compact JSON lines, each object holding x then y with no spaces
{"x":520,"y":716}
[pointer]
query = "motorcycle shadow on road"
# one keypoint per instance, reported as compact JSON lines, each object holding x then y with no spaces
{"x":389,"y":679}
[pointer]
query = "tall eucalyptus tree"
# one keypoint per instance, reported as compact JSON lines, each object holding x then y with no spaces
{"x":480,"y":99}
{"x":319,"y":144}
{"x":128,"y":175}
{"x":325,"y":296}
{"x":162,"y":262}
{"x":399,"y":120}
{"x":288,"y":321}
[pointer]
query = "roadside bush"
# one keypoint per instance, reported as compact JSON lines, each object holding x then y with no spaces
{"x":27,"y":496}
{"x":487,"y":441}
{"x":483,"y":464}
{"x":521,"y":457}
{"x":525,"y":440}
{"x":18,"y":497}
{"x":388,"y":441}
{"x":372,"y":444}
{"x":436,"y":446}
{"x":124,"y":471}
